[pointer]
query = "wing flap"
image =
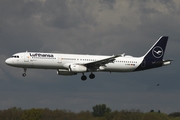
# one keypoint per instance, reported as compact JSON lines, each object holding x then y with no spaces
{"x":102,"y":62}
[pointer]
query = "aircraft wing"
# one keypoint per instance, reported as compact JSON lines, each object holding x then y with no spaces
{"x":101,"y":62}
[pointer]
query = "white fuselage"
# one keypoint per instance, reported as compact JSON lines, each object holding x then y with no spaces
{"x":71,"y":64}
{"x":61,"y":61}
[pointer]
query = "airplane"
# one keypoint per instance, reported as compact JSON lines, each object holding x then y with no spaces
{"x":72,"y":64}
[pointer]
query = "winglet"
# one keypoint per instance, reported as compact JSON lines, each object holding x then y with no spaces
{"x":122,"y":55}
{"x":118,"y":55}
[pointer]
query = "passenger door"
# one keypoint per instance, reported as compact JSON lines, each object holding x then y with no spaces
{"x":59,"y":57}
{"x":26,"y":57}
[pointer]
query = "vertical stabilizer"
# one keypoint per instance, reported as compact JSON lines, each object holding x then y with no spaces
{"x":154,"y":57}
{"x":156,"y":52}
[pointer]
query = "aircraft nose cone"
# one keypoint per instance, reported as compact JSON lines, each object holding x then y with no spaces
{"x":7,"y":61}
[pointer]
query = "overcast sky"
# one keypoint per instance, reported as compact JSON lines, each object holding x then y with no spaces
{"x":90,"y":27}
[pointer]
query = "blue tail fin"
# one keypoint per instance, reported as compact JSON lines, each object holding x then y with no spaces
{"x":154,"y":57}
{"x":156,"y":52}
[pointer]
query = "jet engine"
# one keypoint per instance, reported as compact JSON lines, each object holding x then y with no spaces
{"x":66,"y":73}
{"x":77,"y":68}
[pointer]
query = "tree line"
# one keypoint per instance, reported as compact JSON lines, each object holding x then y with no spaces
{"x":99,"y":112}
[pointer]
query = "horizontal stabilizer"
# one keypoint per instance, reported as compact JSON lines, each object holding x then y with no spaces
{"x":167,"y":62}
{"x":164,"y":62}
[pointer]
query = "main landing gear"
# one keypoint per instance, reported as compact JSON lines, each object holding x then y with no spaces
{"x":91,"y":76}
{"x":24,"y":74}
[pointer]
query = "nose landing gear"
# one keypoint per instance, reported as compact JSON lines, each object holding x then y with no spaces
{"x":24,"y":74}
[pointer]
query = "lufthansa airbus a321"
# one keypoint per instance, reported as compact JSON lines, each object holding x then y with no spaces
{"x":72,"y":64}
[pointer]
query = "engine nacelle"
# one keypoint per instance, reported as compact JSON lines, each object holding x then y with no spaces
{"x":66,"y":73}
{"x":77,"y":68}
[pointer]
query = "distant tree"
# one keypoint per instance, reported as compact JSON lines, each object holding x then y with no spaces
{"x":129,"y":115}
{"x":58,"y":115}
{"x":13,"y":113}
{"x":151,"y":111}
{"x":100,"y":110}
{"x":111,"y":115}
{"x":32,"y":114}
{"x":174,"y":114}
{"x":155,"y":116}
{"x":84,"y":115}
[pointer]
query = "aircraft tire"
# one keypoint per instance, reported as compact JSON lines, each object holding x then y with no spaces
{"x":24,"y":74}
{"x":91,"y":76}
{"x":83,"y":78}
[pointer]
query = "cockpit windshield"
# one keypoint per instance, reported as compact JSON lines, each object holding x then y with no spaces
{"x":15,"y":56}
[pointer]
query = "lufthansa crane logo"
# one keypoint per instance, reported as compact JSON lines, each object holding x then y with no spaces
{"x":157,"y":52}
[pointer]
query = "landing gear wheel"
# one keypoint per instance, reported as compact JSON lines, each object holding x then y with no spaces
{"x":91,"y":76}
{"x":24,"y":74}
{"x":83,"y":78}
